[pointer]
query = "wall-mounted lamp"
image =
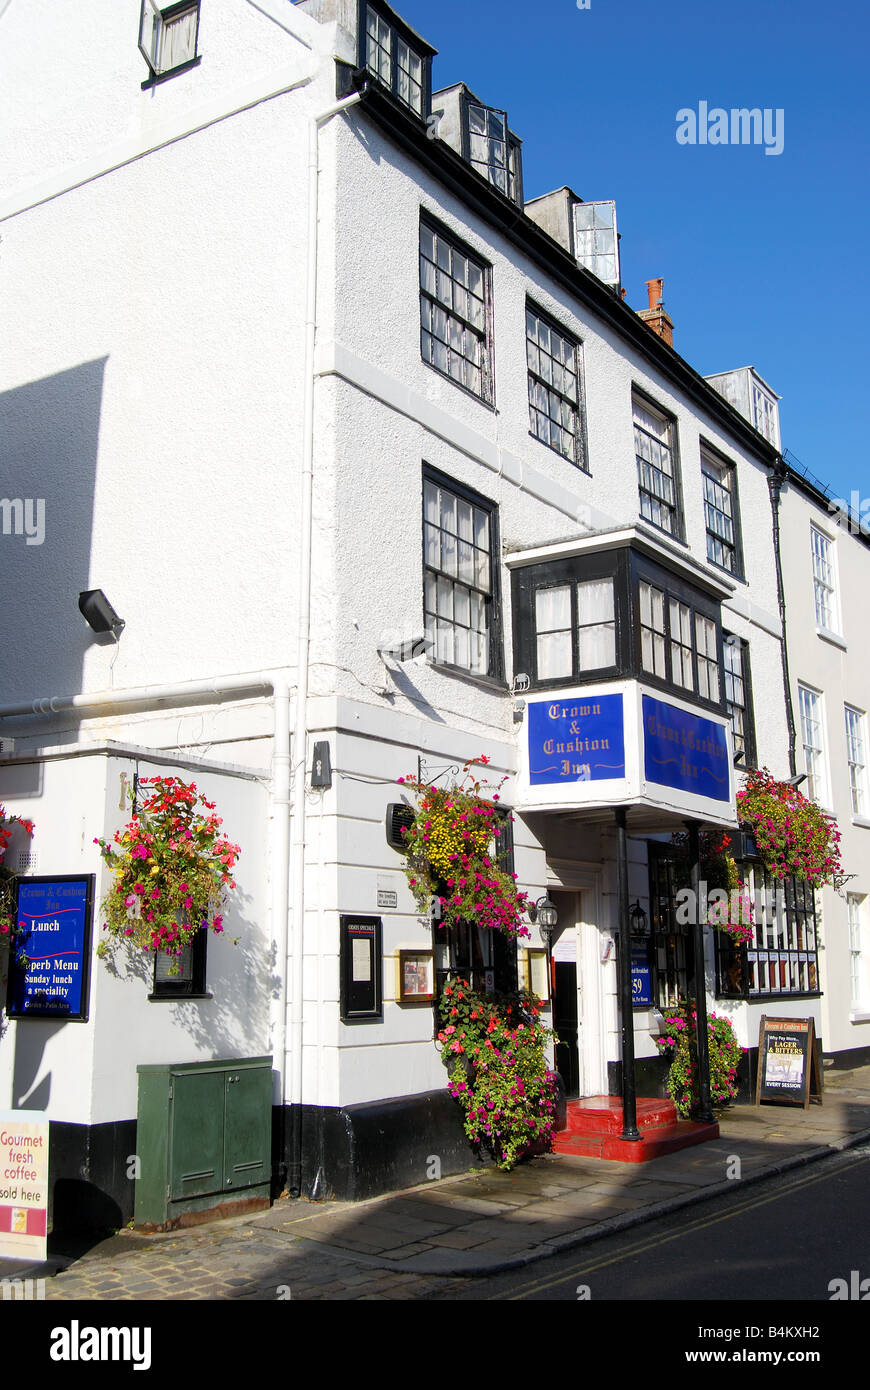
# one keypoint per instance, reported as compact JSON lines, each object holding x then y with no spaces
{"x":99,"y":614}
{"x":321,"y":767}
{"x":639,"y":920}
{"x":406,"y":650}
{"x":545,"y":913}
{"x":796,"y":781}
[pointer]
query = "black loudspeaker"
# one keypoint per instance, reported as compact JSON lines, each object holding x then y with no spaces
{"x":399,"y":817}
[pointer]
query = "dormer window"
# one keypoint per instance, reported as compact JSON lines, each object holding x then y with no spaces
{"x":396,"y":57}
{"x":168,"y":38}
{"x":492,"y":150}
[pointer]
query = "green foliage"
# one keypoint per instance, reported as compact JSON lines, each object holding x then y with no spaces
{"x":450,"y":853}
{"x":494,"y":1048}
{"x":681,"y":1046}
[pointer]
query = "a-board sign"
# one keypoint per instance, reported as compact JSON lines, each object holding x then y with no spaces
{"x":48,"y":968}
{"x":789,"y":1064}
{"x":23,"y":1184}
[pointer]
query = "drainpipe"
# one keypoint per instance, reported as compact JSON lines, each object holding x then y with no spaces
{"x":153,"y":696}
{"x":300,"y":733}
{"x":775,"y":481}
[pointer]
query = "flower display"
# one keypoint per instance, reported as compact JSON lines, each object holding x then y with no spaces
{"x":450,"y":851}
{"x":793,"y":834}
{"x":680,"y":1044}
{"x":494,"y":1048}
{"x":729,"y":907}
{"x":172,"y":870}
{"x":8,"y":925}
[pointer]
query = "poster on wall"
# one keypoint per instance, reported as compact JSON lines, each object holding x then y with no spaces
{"x":23,"y":1184}
{"x":48,"y":969}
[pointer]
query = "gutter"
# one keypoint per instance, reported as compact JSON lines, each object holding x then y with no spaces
{"x":778,"y":475}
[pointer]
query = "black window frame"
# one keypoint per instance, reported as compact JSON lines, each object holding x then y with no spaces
{"x":579,"y":457}
{"x":699,"y":603}
{"x":167,"y":15}
{"x":640,"y":397}
{"x":514,"y":146}
{"x":487,"y":370}
{"x":750,"y":747}
{"x":495,"y":658}
{"x":399,"y":31}
{"x":191,"y":986}
{"x":710,"y":455}
{"x":733,"y":957}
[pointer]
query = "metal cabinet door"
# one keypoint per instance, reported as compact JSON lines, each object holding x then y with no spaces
{"x":247,"y":1155}
{"x":196,"y":1133}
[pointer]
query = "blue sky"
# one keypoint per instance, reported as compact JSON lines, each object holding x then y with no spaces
{"x":764,"y":257}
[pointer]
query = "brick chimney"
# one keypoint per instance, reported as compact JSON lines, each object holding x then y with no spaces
{"x":655,"y":317}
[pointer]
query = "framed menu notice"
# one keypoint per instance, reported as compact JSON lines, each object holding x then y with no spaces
{"x":360,"y":959}
{"x":48,"y":968}
{"x":416,"y":977}
{"x":789,"y":1063}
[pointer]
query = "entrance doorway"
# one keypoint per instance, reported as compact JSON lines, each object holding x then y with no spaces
{"x":566,"y":994}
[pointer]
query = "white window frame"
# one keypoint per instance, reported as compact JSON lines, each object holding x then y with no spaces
{"x":812,"y":711}
{"x":855,"y":909}
{"x":856,"y":756}
{"x":823,"y":551}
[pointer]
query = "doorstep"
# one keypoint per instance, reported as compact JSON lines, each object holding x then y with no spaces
{"x":593,"y":1129}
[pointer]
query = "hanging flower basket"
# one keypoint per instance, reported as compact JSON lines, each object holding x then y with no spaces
{"x":172,"y":867}
{"x":793,"y":834}
{"x":8,"y":879}
{"x":451,"y":853}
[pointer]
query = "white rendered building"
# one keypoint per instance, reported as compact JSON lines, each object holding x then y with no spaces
{"x":298,"y":380}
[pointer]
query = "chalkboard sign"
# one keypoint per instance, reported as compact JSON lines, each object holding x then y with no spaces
{"x":48,"y":968}
{"x":789,"y":1065}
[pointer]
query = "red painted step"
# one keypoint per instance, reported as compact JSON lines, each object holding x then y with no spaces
{"x":594,"y":1127}
{"x":603,"y":1114}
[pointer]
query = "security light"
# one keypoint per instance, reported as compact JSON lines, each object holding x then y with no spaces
{"x":407,"y":650}
{"x":99,"y":614}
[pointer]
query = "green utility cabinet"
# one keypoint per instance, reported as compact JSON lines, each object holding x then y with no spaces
{"x":203,"y":1138}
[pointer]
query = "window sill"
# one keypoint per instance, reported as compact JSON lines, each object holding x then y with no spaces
{"x":859,"y":1016}
{"x":861,"y":821}
{"x":551,"y":448}
{"x":176,"y":998}
{"x":833,"y":637}
{"x":157,"y":77}
{"x":492,"y":683}
{"x":460,"y":386}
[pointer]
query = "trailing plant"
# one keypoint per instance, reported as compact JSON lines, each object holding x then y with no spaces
{"x":8,"y":925}
{"x":172,"y":867}
{"x":793,"y":834}
{"x":494,"y":1049}
{"x":680,"y":1044}
{"x":451,"y":854}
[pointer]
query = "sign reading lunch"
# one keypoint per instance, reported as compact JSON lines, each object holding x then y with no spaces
{"x":576,"y":740}
{"x":23,"y":1184}
{"x":49,"y":969}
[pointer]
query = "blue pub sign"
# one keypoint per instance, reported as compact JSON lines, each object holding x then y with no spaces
{"x":685,"y":751}
{"x":48,"y":970}
{"x":579,"y":739}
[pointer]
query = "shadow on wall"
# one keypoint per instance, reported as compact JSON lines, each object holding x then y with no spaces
{"x":49,"y":433}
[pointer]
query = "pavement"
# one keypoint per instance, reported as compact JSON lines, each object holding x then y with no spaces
{"x":426,"y":1241}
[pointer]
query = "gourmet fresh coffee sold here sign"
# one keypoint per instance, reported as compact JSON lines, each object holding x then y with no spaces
{"x":23,"y":1184}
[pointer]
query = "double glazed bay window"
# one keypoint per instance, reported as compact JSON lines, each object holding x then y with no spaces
{"x":575,"y":627}
{"x":720,"y":513}
{"x":389,"y":52}
{"x":459,"y":581}
{"x":656,"y":468}
{"x":555,"y":406}
{"x":454,"y":310}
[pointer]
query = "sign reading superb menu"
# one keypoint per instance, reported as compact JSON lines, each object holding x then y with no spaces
{"x":48,"y":971}
{"x":685,"y":751}
{"x":576,"y":740}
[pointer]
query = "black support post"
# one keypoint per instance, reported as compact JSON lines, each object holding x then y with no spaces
{"x":705,"y":1114}
{"x":626,"y":1005}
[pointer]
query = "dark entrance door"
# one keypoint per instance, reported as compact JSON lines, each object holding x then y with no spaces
{"x":564,"y":981}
